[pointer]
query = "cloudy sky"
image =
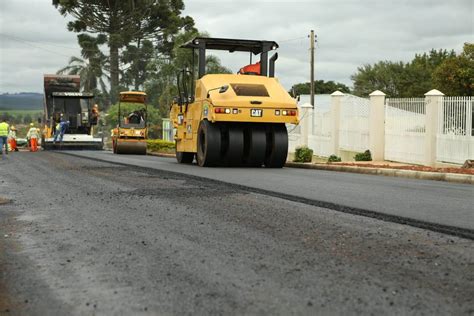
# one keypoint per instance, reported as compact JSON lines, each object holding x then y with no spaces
{"x":350,"y":33}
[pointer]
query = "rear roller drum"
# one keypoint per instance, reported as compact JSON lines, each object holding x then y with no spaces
{"x":277,"y":146}
{"x":184,"y":157}
{"x":209,"y":144}
{"x":131,"y":148}
{"x":235,"y":146}
{"x":255,"y":145}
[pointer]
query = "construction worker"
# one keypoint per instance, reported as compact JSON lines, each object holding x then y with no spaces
{"x":12,"y":139}
{"x":252,"y":69}
{"x":4,"y":130}
{"x":33,"y":136}
{"x":60,"y":130}
{"x":95,"y":114}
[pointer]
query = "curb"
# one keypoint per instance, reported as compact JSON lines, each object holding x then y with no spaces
{"x":161,"y":155}
{"x":423,"y":175}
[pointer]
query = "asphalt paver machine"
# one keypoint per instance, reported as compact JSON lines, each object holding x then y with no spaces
{"x":63,"y":101}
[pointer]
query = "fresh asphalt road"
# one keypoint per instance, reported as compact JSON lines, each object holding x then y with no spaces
{"x":424,"y":200}
{"x":86,"y":237}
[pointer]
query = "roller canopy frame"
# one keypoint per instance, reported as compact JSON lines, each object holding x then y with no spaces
{"x":231,"y":45}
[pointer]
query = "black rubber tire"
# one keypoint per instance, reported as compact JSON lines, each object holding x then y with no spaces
{"x":184,"y":157}
{"x":234,"y":151}
{"x":255,"y":145}
{"x":209,"y":144}
{"x":277,"y":146}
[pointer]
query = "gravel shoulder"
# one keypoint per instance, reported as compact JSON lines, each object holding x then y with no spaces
{"x":83,"y":237}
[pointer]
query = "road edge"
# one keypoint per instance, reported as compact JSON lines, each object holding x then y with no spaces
{"x":389,"y":172}
{"x":422,"y":175}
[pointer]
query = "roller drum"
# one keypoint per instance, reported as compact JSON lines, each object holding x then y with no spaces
{"x":277,"y":146}
{"x":131,"y":148}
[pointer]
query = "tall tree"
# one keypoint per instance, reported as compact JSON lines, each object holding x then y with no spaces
{"x":399,"y":79}
{"x":137,"y":57}
{"x":162,"y":72}
{"x":320,"y":87}
{"x":122,"y":21}
{"x":455,"y":76}
{"x":92,"y":67}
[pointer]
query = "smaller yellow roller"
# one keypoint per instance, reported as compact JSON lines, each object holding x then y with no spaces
{"x":130,"y":135}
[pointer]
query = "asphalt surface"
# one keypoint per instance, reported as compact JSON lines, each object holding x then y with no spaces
{"x":82,"y":237}
{"x":429,"y":201}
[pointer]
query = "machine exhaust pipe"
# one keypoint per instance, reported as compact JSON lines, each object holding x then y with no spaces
{"x":271,"y":70}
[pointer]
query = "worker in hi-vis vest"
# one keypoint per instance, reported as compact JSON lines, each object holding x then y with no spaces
{"x":4,"y":130}
{"x":12,"y":139}
{"x":60,"y":130}
{"x":33,"y":136}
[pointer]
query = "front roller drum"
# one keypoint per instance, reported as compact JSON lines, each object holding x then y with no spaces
{"x":277,"y":146}
{"x":209,"y":144}
{"x":254,"y":145}
{"x":233,"y":146}
{"x":130,"y":147}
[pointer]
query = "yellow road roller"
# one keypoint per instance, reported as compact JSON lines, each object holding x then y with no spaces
{"x":130,"y":135}
{"x":232,"y":119}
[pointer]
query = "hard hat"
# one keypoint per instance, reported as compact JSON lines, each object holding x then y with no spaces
{"x":32,"y":124}
{"x":13,"y":128}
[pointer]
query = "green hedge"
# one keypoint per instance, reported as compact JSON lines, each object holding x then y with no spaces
{"x":303,"y":154}
{"x":334,"y":158}
{"x":159,"y":145}
{"x":365,"y":156}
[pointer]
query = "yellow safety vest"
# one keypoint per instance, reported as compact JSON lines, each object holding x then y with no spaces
{"x":4,"y":129}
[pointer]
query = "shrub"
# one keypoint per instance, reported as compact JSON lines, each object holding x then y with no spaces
{"x":365,"y":156}
{"x":303,"y":154}
{"x":159,"y":145}
{"x":334,"y":158}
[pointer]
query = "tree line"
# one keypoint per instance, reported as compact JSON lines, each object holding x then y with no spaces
{"x":451,"y":73}
{"x":134,"y":44}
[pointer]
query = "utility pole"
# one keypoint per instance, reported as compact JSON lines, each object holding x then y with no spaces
{"x":312,"y":67}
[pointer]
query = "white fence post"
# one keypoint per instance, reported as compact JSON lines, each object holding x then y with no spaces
{"x":377,"y":125}
{"x":336,"y":98}
{"x":433,"y":101}
{"x":306,"y":122}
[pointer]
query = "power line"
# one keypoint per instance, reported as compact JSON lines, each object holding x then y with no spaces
{"x":79,"y":49}
{"x":35,"y":46}
{"x":291,"y":39}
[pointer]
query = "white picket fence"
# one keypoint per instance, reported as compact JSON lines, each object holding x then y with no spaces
{"x":415,"y":130}
{"x":405,"y":130}
{"x":319,"y":132}
{"x":455,"y":139}
{"x":354,"y":124}
{"x":319,"y":138}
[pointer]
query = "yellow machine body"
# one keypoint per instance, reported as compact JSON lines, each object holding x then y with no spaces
{"x":130,"y":138}
{"x":232,"y":106}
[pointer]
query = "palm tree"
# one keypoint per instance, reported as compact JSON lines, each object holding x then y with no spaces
{"x":90,"y":74}
{"x":92,"y":67}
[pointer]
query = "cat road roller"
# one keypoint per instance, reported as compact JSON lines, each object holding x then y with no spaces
{"x":232,"y":119}
{"x":129,"y":137}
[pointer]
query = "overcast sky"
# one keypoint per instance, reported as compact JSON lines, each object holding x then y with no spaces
{"x":350,"y":33}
